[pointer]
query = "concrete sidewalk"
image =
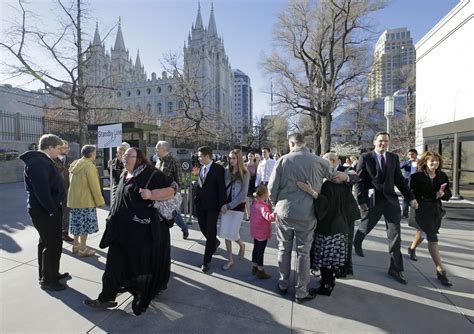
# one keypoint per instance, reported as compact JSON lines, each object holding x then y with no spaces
{"x":234,"y":301}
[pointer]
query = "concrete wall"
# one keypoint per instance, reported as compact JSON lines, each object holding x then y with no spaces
{"x":444,"y":70}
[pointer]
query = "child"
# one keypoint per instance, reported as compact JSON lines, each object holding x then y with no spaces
{"x":260,"y":230}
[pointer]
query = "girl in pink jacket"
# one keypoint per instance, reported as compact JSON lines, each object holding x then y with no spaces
{"x":260,"y":230}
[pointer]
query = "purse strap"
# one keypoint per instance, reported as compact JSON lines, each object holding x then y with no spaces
{"x":149,"y":179}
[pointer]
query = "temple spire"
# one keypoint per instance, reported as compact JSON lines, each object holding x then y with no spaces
{"x":119,"y":43}
{"x":211,"y":27}
{"x":96,"y":40}
{"x":199,"y":24}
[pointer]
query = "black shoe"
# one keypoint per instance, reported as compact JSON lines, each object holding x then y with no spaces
{"x":358,"y":248}
{"x":281,"y":291}
{"x":185,"y":234}
{"x":122,"y":289}
{"x":66,"y":237}
{"x":398,"y":275}
{"x":63,"y":276}
{"x":405,"y":216}
{"x":311,"y":295}
{"x":98,"y":304}
{"x":55,"y":286}
{"x":443,"y":278}
{"x":218,"y":243}
{"x":412,"y":253}
{"x":325,"y":290}
{"x":205,"y":267}
{"x":137,"y":307}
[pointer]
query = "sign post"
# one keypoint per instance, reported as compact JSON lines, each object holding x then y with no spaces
{"x":109,"y":136}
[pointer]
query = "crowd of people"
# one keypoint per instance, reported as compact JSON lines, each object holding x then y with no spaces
{"x":312,"y":201}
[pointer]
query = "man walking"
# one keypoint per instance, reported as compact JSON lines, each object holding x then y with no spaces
{"x":62,"y":163}
{"x":295,"y":211}
{"x":210,"y":197}
{"x":46,"y":194}
{"x":170,"y":166}
{"x":265,"y":168}
{"x":379,"y":170}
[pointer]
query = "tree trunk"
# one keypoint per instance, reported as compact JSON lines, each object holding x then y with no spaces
{"x":317,"y":134}
{"x":326,"y":133}
{"x":81,"y":110}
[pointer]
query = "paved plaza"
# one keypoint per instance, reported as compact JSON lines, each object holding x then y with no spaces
{"x":234,"y":301}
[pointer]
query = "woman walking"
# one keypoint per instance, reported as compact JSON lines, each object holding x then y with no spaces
{"x":237,"y":183}
{"x":84,"y":196}
{"x":139,"y":241}
{"x":430,"y":185}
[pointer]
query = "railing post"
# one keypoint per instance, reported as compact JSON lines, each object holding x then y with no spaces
{"x":17,"y":127}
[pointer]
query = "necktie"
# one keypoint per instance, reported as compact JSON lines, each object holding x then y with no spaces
{"x":382,"y":164}
{"x":203,"y":174}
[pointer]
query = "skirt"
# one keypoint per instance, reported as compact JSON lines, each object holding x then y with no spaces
{"x":329,"y":251}
{"x":230,"y":224}
{"x":83,"y":221}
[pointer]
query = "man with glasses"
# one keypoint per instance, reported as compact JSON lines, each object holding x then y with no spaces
{"x":170,"y":167}
{"x":265,"y":168}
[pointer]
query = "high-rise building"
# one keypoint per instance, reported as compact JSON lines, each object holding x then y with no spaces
{"x":243,"y":109}
{"x":394,"y":60}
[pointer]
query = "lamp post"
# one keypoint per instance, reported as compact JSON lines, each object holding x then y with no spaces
{"x":158,"y":128}
{"x":388,"y":113}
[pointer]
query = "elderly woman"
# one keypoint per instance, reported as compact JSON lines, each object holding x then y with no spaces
{"x":139,"y":241}
{"x":237,"y":183}
{"x":430,"y":185}
{"x":83,"y":197}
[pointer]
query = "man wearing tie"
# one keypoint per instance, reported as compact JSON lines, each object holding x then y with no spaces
{"x":265,"y":168}
{"x":379,"y":170}
{"x":210,"y":197}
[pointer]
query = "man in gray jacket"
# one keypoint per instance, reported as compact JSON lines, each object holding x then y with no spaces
{"x":295,"y":211}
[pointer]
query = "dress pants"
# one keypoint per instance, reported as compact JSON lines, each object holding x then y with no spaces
{"x":303,"y":233}
{"x":50,"y":243}
{"x":392,"y":217}
{"x":207,"y":220}
{"x":178,"y":219}
{"x":65,"y":218}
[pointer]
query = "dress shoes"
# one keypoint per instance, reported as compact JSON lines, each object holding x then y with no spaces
{"x":261,"y":274}
{"x":185,"y":235}
{"x":54,"y":286}
{"x":66,"y":237}
{"x":281,"y":291}
{"x":63,"y":276}
{"x":398,"y":275}
{"x":412,"y":253}
{"x":443,"y":278}
{"x":205,"y":267}
{"x":311,"y":295}
{"x":358,"y":249}
{"x":98,"y":304}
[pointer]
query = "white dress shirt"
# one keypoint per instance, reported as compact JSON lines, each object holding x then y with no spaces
{"x":264,"y":170}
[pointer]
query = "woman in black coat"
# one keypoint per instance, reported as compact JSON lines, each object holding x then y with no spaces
{"x":430,"y":185}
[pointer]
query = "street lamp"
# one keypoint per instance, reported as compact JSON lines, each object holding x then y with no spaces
{"x":388,"y":111}
{"x":158,"y":128}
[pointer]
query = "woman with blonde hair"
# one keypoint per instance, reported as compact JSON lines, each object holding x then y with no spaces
{"x":237,"y":180}
{"x":430,"y":185}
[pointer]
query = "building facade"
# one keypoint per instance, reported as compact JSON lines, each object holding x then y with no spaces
{"x":394,"y":60}
{"x":155,"y":98}
{"x":445,"y":117}
{"x":243,"y":107}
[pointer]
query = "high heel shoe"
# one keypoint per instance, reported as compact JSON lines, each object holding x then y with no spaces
{"x":443,"y":278}
{"x":412,"y":253}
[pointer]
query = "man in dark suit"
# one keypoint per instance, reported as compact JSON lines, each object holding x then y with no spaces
{"x":210,"y":197}
{"x":379,"y":170}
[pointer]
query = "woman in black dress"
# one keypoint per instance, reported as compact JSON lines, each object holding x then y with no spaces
{"x":139,"y":241}
{"x":430,"y":185}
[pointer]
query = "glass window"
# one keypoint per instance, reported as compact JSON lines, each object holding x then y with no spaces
{"x":158,"y":89}
{"x":466,"y":179}
{"x":170,"y":106}
{"x":158,"y":108}
{"x":446,"y":151}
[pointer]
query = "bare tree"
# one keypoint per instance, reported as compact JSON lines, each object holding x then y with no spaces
{"x":321,"y":48}
{"x":63,"y":76}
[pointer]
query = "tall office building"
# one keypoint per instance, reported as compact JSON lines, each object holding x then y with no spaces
{"x":243,"y":113}
{"x":394,"y":59}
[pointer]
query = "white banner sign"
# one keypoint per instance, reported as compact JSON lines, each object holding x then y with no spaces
{"x":109,"y":135}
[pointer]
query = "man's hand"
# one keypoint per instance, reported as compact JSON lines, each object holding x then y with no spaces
{"x":224,"y":209}
{"x":414,"y":204}
{"x":110,"y":163}
{"x":339,"y":178}
{"x":364,"y":207}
